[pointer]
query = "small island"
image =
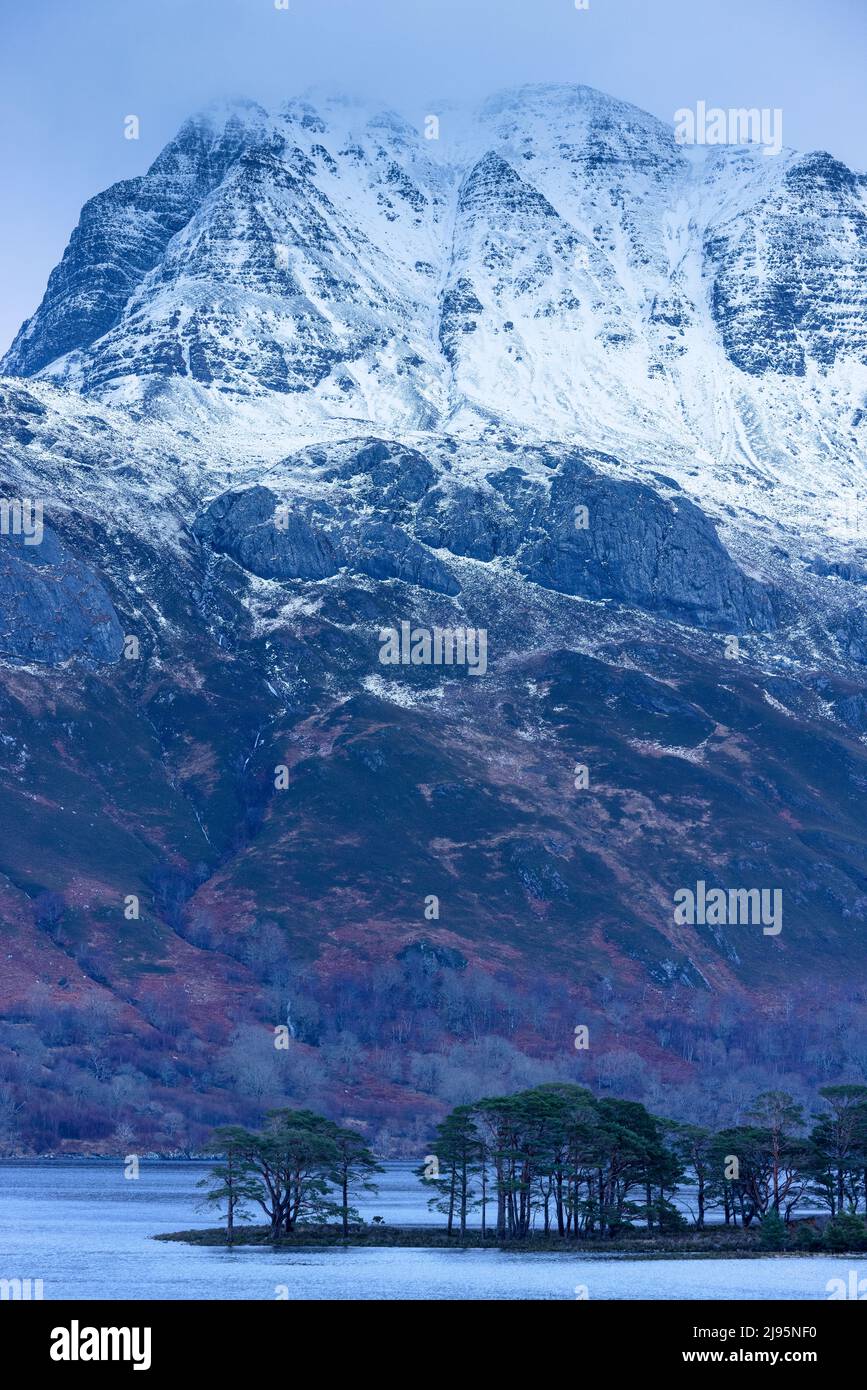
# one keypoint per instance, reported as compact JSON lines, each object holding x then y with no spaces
{"x":555,"y":1168}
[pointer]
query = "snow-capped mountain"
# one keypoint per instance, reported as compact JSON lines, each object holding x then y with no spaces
{"x":548,"y":375}
{"x":555,"y":263}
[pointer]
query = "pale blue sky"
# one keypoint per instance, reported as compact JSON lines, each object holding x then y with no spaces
{"x":70,"y":70}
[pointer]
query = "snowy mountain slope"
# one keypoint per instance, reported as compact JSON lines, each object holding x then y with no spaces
{"x":554,"y":265}
{"x":432,"y":356}
{"x":123,"y":234}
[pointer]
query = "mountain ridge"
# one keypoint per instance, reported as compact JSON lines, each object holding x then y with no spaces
{"x":642,"y":320}
{"x":563,"y":382}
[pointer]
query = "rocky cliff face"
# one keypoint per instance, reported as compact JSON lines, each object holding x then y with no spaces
{"x":125,"y":232}
{"x":576,"y":532}
{"x":551,"y":378}
{"x":554,"y":262}
{"x":53,"y":606}
{"x":789,"y":272}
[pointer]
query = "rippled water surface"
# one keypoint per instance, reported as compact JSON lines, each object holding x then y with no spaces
{"x":86,"y":1232}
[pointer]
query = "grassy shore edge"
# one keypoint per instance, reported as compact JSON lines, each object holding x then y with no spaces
{"x":708,"y":1245}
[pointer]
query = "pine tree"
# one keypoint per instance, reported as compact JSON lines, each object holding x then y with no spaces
{"x":233,"y":1183}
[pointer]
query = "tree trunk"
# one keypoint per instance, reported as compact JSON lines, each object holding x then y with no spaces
{"x":230,"y":1211}
{"x":452,"y":1200}
{"x":501,"y":1202}
{"x":484,"y":1196}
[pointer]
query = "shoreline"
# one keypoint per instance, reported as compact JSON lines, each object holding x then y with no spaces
{"x":710,"y":1245}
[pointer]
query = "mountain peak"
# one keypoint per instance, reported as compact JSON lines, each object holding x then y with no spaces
{"x":555,"y":261}
{"x":551,"y":103}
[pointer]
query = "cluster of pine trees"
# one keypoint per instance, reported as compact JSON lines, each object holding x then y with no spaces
{"x":557,"y":1159}
{"x":299,"y":1170}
